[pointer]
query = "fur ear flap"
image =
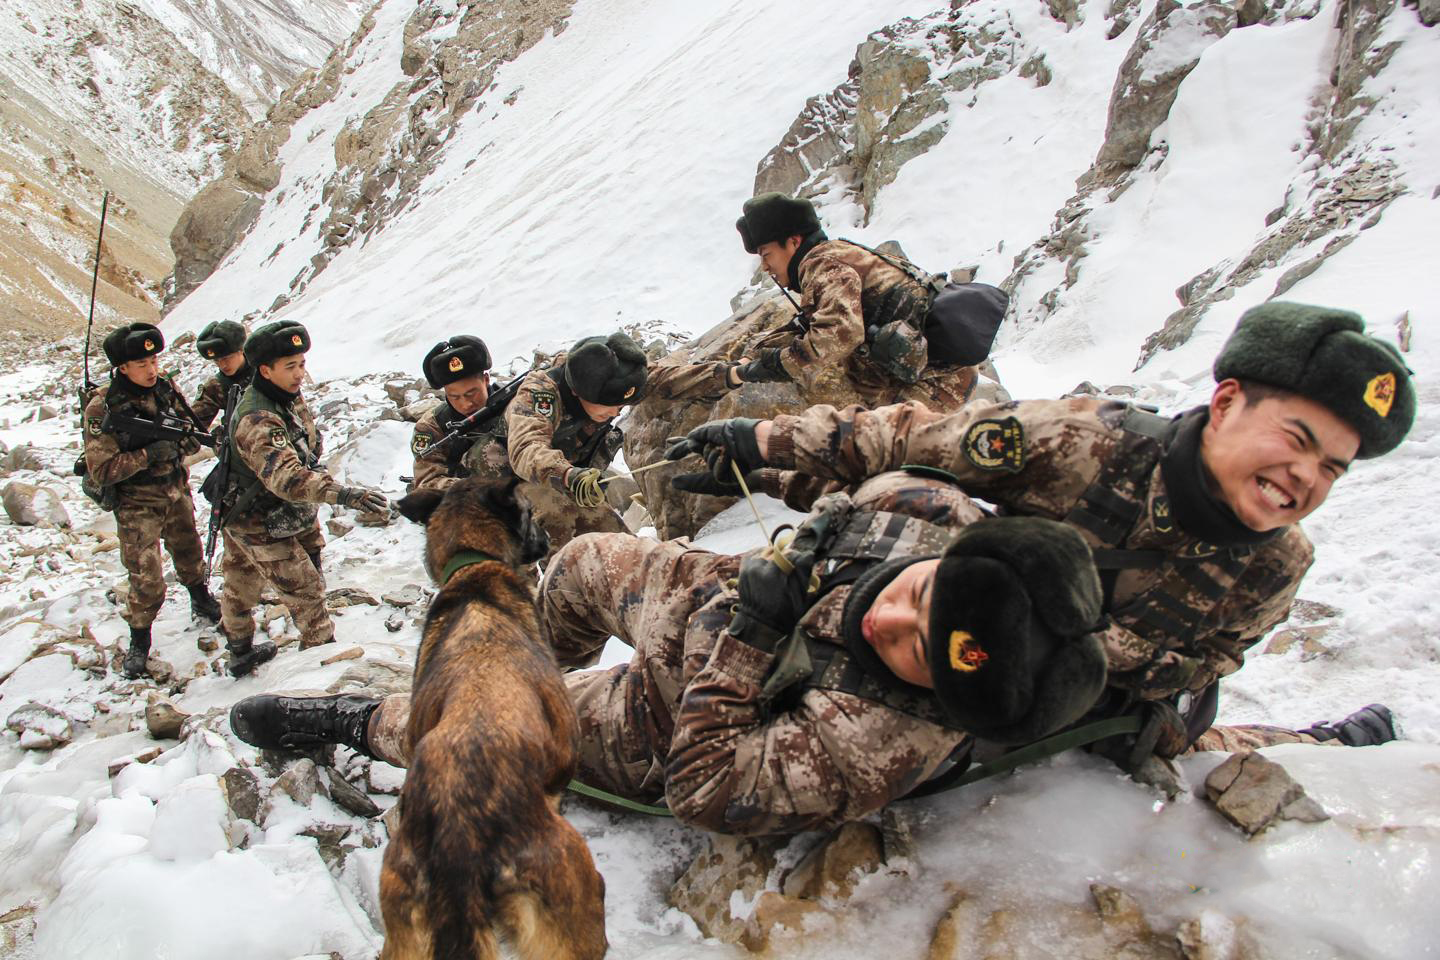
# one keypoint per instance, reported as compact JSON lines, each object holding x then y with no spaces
{"x":418,"y":506}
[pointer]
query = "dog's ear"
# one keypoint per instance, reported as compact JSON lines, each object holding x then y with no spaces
{"x":419,"y":505}
{"x":500,"y":500}
{"x":534,"y":541}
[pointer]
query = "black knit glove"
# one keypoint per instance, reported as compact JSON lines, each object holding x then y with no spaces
{"x":721,"y":442}
{"x":765,"y":368}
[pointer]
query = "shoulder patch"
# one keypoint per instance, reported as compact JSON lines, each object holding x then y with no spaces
{"x":420,"y":444}
{"x":1160,"y":512}
{"x":996,"y":445}
{"x":278,"y":437}
{"x":93,"y":425}
{"x":544,"y":403}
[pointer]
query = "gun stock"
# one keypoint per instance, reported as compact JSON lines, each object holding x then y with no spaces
{"x":219,"y":478}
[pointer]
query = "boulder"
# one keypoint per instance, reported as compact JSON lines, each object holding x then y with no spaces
{"x":406,"y":596}
{"x":210,"y":225}
{"x":300,"y":781}
{"x":1253,"y":792}
{"x":23,"y":457}
{"x":349,"y":796}
{"x":242,"y":792}
{"x":31,"y":505}
{"x":342,"y":597}
{"x":163,"y":719}
{"x":40,"y":726}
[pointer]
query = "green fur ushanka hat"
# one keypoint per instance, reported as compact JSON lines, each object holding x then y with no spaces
{"x":220,"y":338}
{"x":1324,"y":354}
{"x":134,"y":341}
{"x":455,"y":359}
{"x":1011,"y":650}
{"x":610,"y":371}
{"x":771,"y":217}
{"x":283,"y":338}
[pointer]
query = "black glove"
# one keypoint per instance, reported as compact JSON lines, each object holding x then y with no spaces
{"x":765,"y":368}
{"x":366,"y":501}
{"x":162,"y":451}
{"x":772,"y":600}
{"x":710,"y":485}
{"x":722,"y":442}
{"x":580,"y":485}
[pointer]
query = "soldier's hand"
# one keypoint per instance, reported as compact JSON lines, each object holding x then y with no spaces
{"x":766,"y":368}
{"x":705,"y":483}
{"x":364,"y":500}
{"x":722,"y":442}
{"x":162,"y":451}
{"x":582,"y":486}
{"x":773,"y":598}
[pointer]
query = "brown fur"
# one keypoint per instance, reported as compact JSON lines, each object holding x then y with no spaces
{"x":481,"y":852}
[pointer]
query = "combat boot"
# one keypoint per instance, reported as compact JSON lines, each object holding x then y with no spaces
{"x":202,"y":604}
{"x":133,"y":666}
{"x":245,"y":655}
{"x":276,"y":722}
{"x":1366,"y":727}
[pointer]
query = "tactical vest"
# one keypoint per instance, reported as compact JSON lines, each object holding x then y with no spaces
{"x":168,"y":402}
{"x":594,"y":450}
{"x":495,"y":431}
{"x":246,"y":493}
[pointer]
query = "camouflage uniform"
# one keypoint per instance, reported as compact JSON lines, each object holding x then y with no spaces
{"x":264,"y":444}
{"x":210,"y":402}
{"x":153,"y":502}
{"x":838,"y":282}
{"x":436,"y":468}
{"x":548,"y":432}
{"x":682,"y":719}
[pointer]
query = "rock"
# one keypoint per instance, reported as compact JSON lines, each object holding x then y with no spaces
{"x":23,"y":457}
{"x":17,"y":930}
{"x":1283,"y":639}
{"x":333,"y":408}
{"x":377,"y":678}
{"x":349,"y":796}
{"x":210,"y":225}
{"x":619,"y":490}
{"x":394,"y":622}
{"x":1249,"y":12}
{"x":339,"y":526}
{"x":957,"y":927}
{"x":144,"y":756}
{"x":406,"y":596}
{"x":404,"y":392}
{"x":242,"y":793}
{"x":731,"y":865}
{"x":163,"y":719}
{"x":779,"y":920}
{"x":1254,"y":792}
{"x":300,"y":781}
{"x":46,"y":412}
{"x":342,"y":597}
{"x":30,"y":505}
{"x":40,"y":726}
{"x":391,"y":819}
{"x":412,"y":412}
{"x":831,"y":869}
{"x":1429,"y":12}
{"x":354,"y":653}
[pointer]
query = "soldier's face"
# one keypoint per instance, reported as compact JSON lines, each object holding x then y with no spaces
{"x":1274,"y":460}
{"x":599,"y":412}
{"x":229,"y":363}
{"x":287,"y":373}
{"x":775,"y":257}
{"x":897,"y":625}
{"x":142,"y":373}
{"x":468,"y":395}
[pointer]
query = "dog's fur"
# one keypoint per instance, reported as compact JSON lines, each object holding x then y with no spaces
{"x":481,"y":849}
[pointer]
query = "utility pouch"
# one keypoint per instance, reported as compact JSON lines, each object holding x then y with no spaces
{"x":288,"y":519}
{"x":792,"y":666}
{"x":105,"y":497}
{"x":212,"y":488}
{"x":894,"y":332}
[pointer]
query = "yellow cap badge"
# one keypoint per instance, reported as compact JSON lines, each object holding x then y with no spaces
{"x":1380,"y":393}
{"x":295,"y":340}
{"x":149,"y":344}
{"x":629,"y":393}
{"x":456,"y":365}
{"x":963,"y":656}
{"x":210,"y":354}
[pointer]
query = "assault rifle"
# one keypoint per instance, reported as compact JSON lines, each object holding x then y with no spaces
{"x":163,"y":428}
{"x":495,"y":405}
{"x":219,"y":478}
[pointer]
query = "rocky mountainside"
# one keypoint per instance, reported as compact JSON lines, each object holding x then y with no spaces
{"x":147,"y":99}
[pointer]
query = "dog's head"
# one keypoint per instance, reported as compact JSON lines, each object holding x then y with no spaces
{"x":472,"y":515}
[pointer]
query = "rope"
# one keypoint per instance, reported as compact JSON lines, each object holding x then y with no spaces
{"x":610,"y":799}
{"x":588,"y":492}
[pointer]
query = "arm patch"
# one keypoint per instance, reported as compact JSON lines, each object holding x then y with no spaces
{"x":995,"y":445}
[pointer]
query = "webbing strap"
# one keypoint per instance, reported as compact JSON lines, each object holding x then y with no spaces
{"x":610,"y":799}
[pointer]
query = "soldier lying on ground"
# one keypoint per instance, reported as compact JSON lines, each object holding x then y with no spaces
{"x":151,"y":482}
{"x":223,"y":344}
{"x":909,"y":652}
{"x":272,"y":533}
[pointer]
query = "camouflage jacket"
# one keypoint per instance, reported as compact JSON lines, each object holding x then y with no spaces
{"x":549,"y":432}
{"x":210,"y":402}
{"x":1037,"y":458}
{"x":839,"y":283}
{"x":438,"y":467}
{"x":827,"y":756}
{"x":119,"y":459}
{"x":263,"y":446}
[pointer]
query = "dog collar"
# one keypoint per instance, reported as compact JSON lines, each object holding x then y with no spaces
{"x":465,"y":558}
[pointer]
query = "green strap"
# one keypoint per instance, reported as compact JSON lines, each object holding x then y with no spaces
{"x":1039,"y":750}
{"x":465,"y":558}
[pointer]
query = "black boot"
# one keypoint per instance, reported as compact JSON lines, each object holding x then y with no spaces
{"x":274,"y":722}
{"x":134,"y":665}
{"x":1365,"y":727}
{"x":202,"y":604}
{"x":245,"y":655}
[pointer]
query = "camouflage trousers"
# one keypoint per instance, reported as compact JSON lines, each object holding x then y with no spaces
{"x":1250,"y":737}
{"x":563,"y":520}
{"x":652,"y":595}
{"x":942,"y":389}
{"x":165,"y":514}
{"x":253,"y":560}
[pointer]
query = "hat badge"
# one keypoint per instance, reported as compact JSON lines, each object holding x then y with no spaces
{"x":1380,"y":393}
{"x":210,"y":353}
{"x":629,"y":393}
{"x":149,"y":344}
{"x":296,"y":341}
{"x":456,"y":365}
{"x":965,"y":655}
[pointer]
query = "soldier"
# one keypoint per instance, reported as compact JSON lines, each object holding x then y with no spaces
{"x":221,"y":342}
{"x":272,"y":534}
{"x":848,"y":295}
{"x":460,"y":368}
{"x":151,"y":483}
{"x":560,"y":435}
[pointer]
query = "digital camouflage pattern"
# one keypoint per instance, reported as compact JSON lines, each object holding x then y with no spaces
{"x":437,"y":467}
{"x":153,"y":503}
{"x":210,"y":402}
{"x":1036,"y":458}
{"x":265,"y":442}
{"x":839,"y":284}
{"x":253,"y":560}
{"x":1252,"y":737}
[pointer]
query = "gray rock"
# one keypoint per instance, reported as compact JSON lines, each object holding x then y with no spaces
{"x":349,"y":796}
{"x":1429,"y":12}
{"x":242,"y":792}
{"x":339,"y":526}
{"x":1254,"y":792}
{"x":412,"y":412}
{"x":342,"y":597}
{"x":1249,"y":12}
{"x":40,"y":726}
{"x":402,"y":392}
{"x":31,"y":505}
{"x":406,"y":596}
{"x":210,"y":225}
{"x":24,"y":457}
{"x":335,"y":407}
{"x":46,"y":412}
{"x":300,"y":781}
{"x":394,"y":622}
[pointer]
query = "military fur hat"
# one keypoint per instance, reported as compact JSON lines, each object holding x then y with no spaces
{"x":456,"y":359}
{"x":773,"y":216}
{"x":220,"y":338}
{"x":607,"y":370}
{"x":134,"y":341}
{"x":1325,"y":355}
{"x":282,"y":338}
{"x":1012,"y":610}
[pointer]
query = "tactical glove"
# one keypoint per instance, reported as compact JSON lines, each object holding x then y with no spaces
{"x":366,"y":501}
{"x":722,"y":442}
{"x":711,"y":485}
{"x":775,"y":584}
{"x":161,"y":451}
{"x":582,"y":486}
{"x":766,"y":368}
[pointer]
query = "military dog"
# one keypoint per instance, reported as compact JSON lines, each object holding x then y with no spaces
{"x":481,"y":851}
